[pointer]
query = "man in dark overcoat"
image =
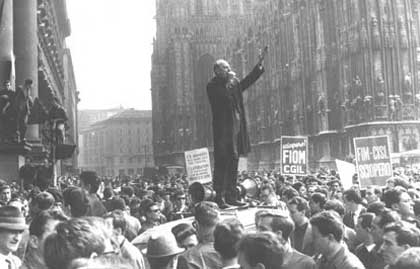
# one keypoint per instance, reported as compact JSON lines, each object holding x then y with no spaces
{"x":229,"y":127}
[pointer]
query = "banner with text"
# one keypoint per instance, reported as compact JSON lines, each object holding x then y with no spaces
{"x":373,"y":160}
{"x":198,"y":165}
{"x":294,"y":155}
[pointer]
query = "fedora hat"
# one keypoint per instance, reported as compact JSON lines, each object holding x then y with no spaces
{"x":12,"y":219}
{"x":162,"y":245}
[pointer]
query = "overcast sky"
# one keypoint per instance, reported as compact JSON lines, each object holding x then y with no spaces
{"x":111,"y":46}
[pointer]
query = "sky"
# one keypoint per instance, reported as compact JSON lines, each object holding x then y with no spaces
{"x":111,"y":47}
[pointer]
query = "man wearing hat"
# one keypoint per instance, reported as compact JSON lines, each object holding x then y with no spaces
{"x":12,"y":225}
{"x":162,"y":251}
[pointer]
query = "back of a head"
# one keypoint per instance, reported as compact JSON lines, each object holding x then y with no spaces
{"x":404,"y":234}
{"x":329,"y":222}
{"x":319,"y":198}
{"x":409,"y":259}
{"x":392,"y":197}
{"x":75,"y":238}
{"x":38,"y":223}
{"x":182,"y":231}
{"x":207,"y":214}
{"x":335,"y":205}
{"x":376,"y":208}
{"x":44,"y":200}
{"x":89,"y":178}
{"x":226,"y":235}
{"x":264,"y":248}
{"x":117,"y":203}
{"x":76,"y":198}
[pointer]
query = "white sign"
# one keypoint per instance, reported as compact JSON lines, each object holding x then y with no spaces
{"x":346,"y":171}
{"x":198,"y":165}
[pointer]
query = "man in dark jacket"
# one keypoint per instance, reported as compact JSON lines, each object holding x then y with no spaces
{"x":229,"y":127}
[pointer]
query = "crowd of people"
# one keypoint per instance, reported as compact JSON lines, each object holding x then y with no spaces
{"x":307,"y":222}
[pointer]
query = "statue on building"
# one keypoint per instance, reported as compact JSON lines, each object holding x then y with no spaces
{"x":368,"y":108}
{"x":23,"y":105}
{"x":58,"y":118}
{"x":407,"y":89}
{"x":376,"y":35}
{"x":15,"y":108}
{"x":394,"y":107}
{"x":6,"y":120}
{"x":380,"y":91}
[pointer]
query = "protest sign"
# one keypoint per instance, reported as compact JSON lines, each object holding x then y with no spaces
{"x":346,"y":171}
{"x":198,"y":165}
{"x":294,"y":155}
{"x":373,"y":160}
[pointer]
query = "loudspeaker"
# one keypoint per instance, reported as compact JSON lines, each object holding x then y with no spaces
{"x":248,"y":188}
{"x":200,"y":192}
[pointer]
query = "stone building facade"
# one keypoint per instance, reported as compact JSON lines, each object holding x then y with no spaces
{"x":119,"y":145}
{"x":33,"y":46}
{"x":336,"y":69}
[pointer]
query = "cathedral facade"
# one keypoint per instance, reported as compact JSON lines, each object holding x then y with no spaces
{"x":336,"y":69}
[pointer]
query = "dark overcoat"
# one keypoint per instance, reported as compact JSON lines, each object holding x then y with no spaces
{"x":229,"y":123}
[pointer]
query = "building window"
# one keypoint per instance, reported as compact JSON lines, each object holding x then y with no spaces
{"x":121,"y":160}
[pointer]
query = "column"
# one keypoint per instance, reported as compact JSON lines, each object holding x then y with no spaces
{"x":6,"y":41}
{"x":26,"y":51}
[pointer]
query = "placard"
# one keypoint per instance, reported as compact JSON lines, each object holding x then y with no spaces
{"x":198,"y":165}
{"x":373,"y":160}
{"x":294,"y":155}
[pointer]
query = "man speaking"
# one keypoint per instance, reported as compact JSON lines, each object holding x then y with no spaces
{"x":229,"y":127}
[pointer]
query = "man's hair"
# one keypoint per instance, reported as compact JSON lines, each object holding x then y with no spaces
{"x":37,"y":226}
{"x":78,"y":201}
{"x":301,"y":203}
{"x":387,"y":216}
{"x":91,"y":179}
{"x":108,"y":192}
{"x":264,"y":248}
{"x":328,"y":222}
{"x":392,"y":197}
{"x":217,"y":64}
{"x":280,"y":223}
{"x":335,"y":205}
{"x":117,"y":203}
{"x":352,"y":196}
{"x":376,"y":208}
{"x":127,"y":190}
{"x":226,"y":235}
{"x":75,"y":238}
{"x":44,"y":200}
{"x":376,"y":189}
{"x":118,"y":220}
{"x":409,"y":259}
{"x":207,"y":214}
{"x":367,"y":219}
{"x":404,"y":235}
{"x":182,"y":231}
{"x":319,"y":198}
{"x":289,"y":193}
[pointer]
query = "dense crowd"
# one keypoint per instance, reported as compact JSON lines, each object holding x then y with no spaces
{"x":306,"y":222}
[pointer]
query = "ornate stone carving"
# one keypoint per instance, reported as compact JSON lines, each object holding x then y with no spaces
{"x":407,"y":89}
{"x":394,"y":107}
